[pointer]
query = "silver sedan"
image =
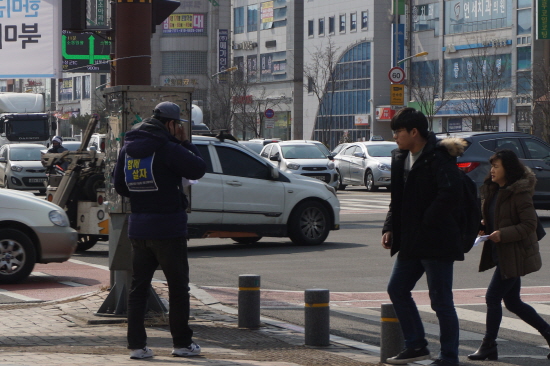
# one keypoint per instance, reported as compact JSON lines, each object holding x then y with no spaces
{"x":365,"y":164}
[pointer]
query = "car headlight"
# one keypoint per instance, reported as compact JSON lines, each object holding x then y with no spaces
{"x":330,"y":165}
{"x":16,"y":168}
{"x":384,"y":167}
{"x":57,"y":218}
{"x":293,"y":166}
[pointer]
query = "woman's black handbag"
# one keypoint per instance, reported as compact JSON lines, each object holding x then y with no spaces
{"x":540,"y":229}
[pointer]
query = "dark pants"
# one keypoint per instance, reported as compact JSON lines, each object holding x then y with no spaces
{"x":171,"y":254}
{"x":439,"y":274}
{"x":508,"y":290}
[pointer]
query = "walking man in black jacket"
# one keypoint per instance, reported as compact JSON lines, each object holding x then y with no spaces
{"x":421,"y":226}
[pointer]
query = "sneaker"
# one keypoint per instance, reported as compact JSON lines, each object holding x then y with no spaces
{"x":441,"y":362}
{"x":192,"y":350}
{"x":137,"y":354}
{"x":409,"y":355}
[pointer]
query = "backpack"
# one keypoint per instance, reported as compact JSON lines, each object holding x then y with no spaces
{"x":469,"y":212}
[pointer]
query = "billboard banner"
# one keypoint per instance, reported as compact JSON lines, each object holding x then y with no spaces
{"x":184,"y":23}
{"x":30,"y":38}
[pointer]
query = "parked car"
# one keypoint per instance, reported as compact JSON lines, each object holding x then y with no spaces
{"x":319,"y":144}
{"x":97,"y":142}
{"x":257,"y":145}
{"x":244,"y":197}
{"x":338,"y":148}
{"x":303,"y":158}
{"x":532,"y":151}
{"x":32,"y":230}
{"x":200,"y":128}
{"x":20,"y":167}
{"x":366,"y":164}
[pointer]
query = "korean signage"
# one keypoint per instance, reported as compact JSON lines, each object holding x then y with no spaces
{"x":361,"y":120}
{"x":223,"y":52}
{"x":266,"y":15}
{"x":30,"y":36}
{"x":543,"y":7}
{"x":470,"y":15}
{"x":397,"y":94}
{"x":96,"y":14}
{"x":384,"y":113}
{"x":85,"y":52}
{"x":184,"y":23}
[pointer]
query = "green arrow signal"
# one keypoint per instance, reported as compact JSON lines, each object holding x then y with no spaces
{"x":91,"y":49}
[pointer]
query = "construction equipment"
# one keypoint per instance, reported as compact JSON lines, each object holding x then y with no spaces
{"x":80,"y":189}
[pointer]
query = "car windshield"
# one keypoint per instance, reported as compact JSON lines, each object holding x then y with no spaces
{"x":381,"y":150}
{"x":322,"y":147}
{"x":302,"y":152}
{"x":25,"y":153}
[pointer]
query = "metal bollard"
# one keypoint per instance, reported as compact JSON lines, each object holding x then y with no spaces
{"x":249,"y":301}
{"x":391,"y":336}
{"x":317,"y":317}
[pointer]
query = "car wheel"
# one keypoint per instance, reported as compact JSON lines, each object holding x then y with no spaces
{"x":341,"y":185}
{"x":369,"y":182}
{"x":92,"y":184}
{"x":85,"y":242}
{"x":309,"y":224}
{"x":247,"y":240}
{"x":17,"y":256}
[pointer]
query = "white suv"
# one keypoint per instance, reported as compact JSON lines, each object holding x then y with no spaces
{"x":244,"y":197}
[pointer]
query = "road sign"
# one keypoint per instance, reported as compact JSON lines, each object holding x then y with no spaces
{"x":396,"y":75}
{"x":269,"y":113}
{"x":86,"y":52}
{"x":397,"y":94}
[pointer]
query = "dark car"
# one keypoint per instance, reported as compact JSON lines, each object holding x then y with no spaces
{"x":532,"y":151}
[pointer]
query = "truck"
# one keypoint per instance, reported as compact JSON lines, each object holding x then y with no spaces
{"x":80,"y":189}
{"x":23,"y":118}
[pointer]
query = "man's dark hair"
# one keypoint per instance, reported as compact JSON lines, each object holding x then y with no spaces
{"x":513,"y":167}
{"x":409,"y":118}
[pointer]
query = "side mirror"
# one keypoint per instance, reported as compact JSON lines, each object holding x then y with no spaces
{"x":359,"y":155}
{"x":330,"y":157}
{"x":274,"y":172}
{"x":2,"y":159}
{"x":275,"y":157}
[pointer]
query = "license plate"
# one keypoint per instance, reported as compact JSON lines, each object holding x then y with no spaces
{"x":36,"y":180}
{"x":320,"y":177}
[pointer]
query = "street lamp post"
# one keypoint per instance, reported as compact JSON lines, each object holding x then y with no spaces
{"x":408,"y":58}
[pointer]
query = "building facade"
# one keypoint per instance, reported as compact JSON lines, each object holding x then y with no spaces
{"x":267,"y":45}
{"x":353,"y":40}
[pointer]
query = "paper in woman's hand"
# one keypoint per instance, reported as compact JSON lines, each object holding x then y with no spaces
{"x":481,"y":238}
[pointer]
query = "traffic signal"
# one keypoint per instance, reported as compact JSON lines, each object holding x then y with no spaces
{"x":73,"y":16}
{"x":161,"y":10}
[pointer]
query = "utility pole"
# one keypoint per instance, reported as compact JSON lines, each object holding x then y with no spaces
{"x":133,"y":22}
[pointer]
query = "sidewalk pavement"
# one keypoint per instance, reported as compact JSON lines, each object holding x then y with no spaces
{"x":66,"y":332}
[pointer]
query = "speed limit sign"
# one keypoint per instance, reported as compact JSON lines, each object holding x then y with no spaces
{"x":396,"y":75}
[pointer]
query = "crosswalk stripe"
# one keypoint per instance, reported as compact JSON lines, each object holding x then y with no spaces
{"x":479,"y":317}
{"x":17,"y":296}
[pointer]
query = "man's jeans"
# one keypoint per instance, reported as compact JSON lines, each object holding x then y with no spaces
{"x":439,"y":273}
{"x":509,"y":291}
{"x":171,"y":254}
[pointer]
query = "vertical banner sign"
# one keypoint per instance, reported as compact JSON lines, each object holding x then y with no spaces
{"x":30,"y":37}
{"x":543,"y":21}
{"x":223,"y":54}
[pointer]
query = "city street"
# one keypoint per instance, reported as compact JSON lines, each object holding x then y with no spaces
{"x":351,"y":264}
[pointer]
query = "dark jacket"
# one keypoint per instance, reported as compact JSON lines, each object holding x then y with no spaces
{"x":422,"y":215}
{"x":149,"y":170}
{"x":516,"y":218}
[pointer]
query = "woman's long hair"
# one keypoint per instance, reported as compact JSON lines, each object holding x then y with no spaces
{"x":513,"y":168}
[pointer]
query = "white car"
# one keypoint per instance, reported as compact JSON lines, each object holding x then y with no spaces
{"x":303,"y":158}
{"x":32,"y":230}
{"x":21,"y":168}
{"x":244,"y":197}
{"x":366,"y":164}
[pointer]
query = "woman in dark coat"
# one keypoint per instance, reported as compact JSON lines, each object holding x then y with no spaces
{"x":511,"y":220}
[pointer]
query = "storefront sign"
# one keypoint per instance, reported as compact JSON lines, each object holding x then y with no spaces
{"x":362,"y":120}
{"x":184,"y":23}
{"x":543,"y":21}
{"x":384,"y":113}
